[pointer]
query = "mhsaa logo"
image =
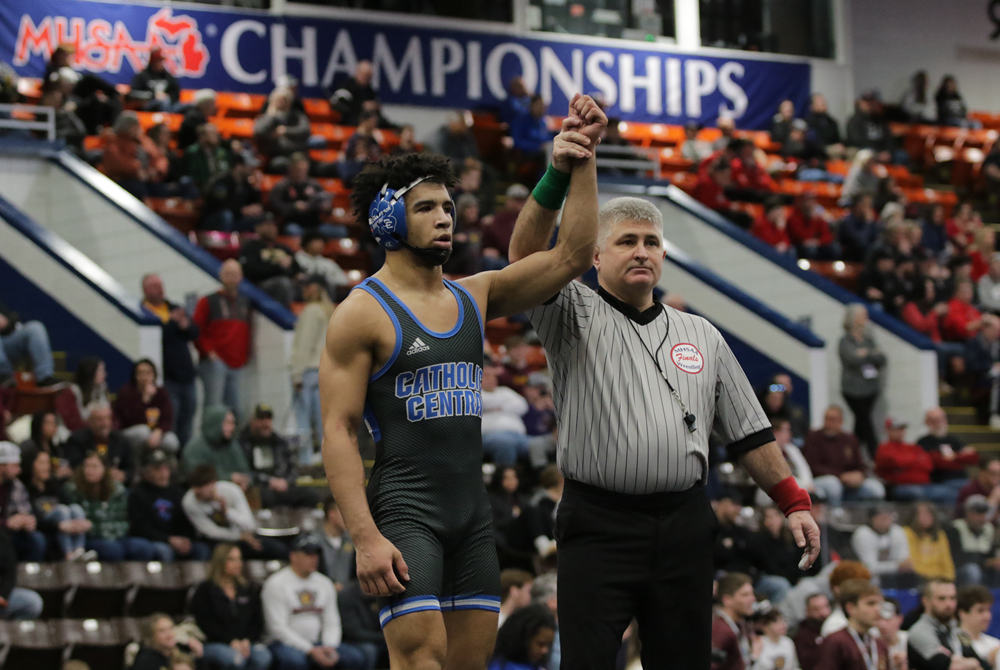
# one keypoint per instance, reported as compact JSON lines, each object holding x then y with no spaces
{"x":102,"y":46}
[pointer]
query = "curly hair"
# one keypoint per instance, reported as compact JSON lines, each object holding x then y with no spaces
{"x":518,"y":630}
{"x":397,"y":171}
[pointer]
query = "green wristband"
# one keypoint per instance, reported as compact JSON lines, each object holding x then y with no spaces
{"x":551,"y":189}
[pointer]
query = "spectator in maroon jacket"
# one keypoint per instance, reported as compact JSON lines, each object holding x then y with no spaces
{"x":144,"y":412}
{"x":224,"y":321}
{"x":986,"y":483}
{"x":496,"y":236}
{"x":847,"y":649}
{"x":835,"y":460}
{"x":950,"y":455}
{"x":808,"y":638}
{"x":731,"y":634}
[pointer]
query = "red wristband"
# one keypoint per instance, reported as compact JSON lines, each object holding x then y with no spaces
{"x":790,"y":497}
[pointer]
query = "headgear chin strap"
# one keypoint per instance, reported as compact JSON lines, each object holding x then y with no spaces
{"x":387,"y":220}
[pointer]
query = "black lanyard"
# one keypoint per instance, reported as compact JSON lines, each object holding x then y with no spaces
{"x":689,"y":418}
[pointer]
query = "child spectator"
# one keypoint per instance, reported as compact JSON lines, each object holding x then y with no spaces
{"x":929,"y":550}
{"x":105,"y":503}
{"x":974,"y":611}
{"x":67,"y":525}
{"x":924,"y":312}
{"x":144,"y":412}
{"x":366,"y":133}
{"x":777,"y":651}
{"x":525,"y":640}
{"x":770,"y":227}
{"x":228,"y":611}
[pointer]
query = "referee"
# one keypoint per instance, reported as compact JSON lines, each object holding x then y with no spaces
{"x":638,"y":388}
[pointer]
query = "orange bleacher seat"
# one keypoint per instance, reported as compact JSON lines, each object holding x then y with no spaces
{"x":241,"y":129}
{"x":149,"y":119}
{"x":671,"y":161}
{"x":319,"y":111}
{"x":325,"y":155}
{"x":240,"y":105}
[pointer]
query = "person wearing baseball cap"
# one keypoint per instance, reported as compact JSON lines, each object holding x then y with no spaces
{"x":155,"y":87}
{"x":15,"y":507}
{"x":907,"y":468}
{"x":271,"y":463}
{"x":301,"y":619}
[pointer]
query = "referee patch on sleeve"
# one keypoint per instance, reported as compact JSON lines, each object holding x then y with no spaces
{"x":749,"y":443}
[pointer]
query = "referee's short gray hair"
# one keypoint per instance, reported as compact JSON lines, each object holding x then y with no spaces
{"x":615,"y":211}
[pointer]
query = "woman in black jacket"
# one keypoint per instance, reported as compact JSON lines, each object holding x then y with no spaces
{"x":227,"y":609}
{"x":66,"y":524}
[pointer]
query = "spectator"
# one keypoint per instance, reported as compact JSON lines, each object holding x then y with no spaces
{"x":299,"y":634}
{"x":312,"y":261}
{"x":232,"y":201}
{"x":518,"y":101}
{"x":907,"y":468}
{"x":915,"y":101}
{"x":929,"y":550}
{"x":950,"y":455}
{"x":936,"y":626}
{"x":935,"y":235}
{"x":711,"y":192}
{"x":986,"y":483}
{"x":809,"y":230}
{"x":883,"y":547}
{"x":777,"y":651}
{"x":981,"y":252}
{"x":223,"y":319}
{"x":270,"y":264}
{"x":359,"y":620}
{"x":407,"y":142}
{"x":855,"y":647}
{"x":516,"y":367}
{"x":879,"y":282}
{"x":202,"y":108}
{"x":989,"y":287}
{"x":160,"y":645}
{"x":971,"y":539}
{"x":777,"y":547}
{"x":837,"y":465}
{"x":859,"y":229}
{"x":272,"y":469}
{"x":301,"y":202}
{"x":155,"y":512}
{"x":66,"y":525}
{"x":864,"y":177}
{"x":99,"y":438}
{"x":924,"y":313}
{"x":782,"y":429}
{"x":367,"y":130}
{"x":693,"y":149}
{"x":974,"y":604}
{"x":455,"y":139}
{"x":307,"y":348}
{"x":726,"y":126}
{"x":982,"y":360}
{"x":807,"y":638}
{"x":15,"y":602}
{"x":167,"y":162}
{"x":544,"y":591}
{"x":951,"y":109}
{"x":504,"y":434}
{"x":546,"y":499}
{"x":515,"y":592}
{"x":866,"y":131}
{"x":177,"y":334}
{"x":127,"y":154}
{"x":467,"y":237}
{"x":155,"y":88}
{"x":16,"y":514}
{"x":828,"y":583}
{"x":991,"y":171}
{"x":962,"y":321}
{"x":144,"y":413}
{"x":525,"y":640}
{"x":69,"y":128}
{"x":862,"y":364}
{"x":88,"y":388}
{"x":228,"y":611}
{"x":22,"y":342}
{"x":824,"y":130}
{"x":281,"y":130}
{"x":97,"y":101}
{"x":337,"y":556}
{"x":356,"y":95}
{"x":497,"y":235}
{"x":105,"y":503}
{"x":529,"y":132}
{"x":518,"y":533}
{"x":732,"y":636}
{"x":889,"y":623}
{"x":738,"y":551}
{"x":219,"y":512}
{"x":750,"y":180}
{"x":217,"y":446}
{"x":46,"y":437}
{"x":781,"y":123}
{"x":207,"y":158}
{"x":355,"y":157}
{"x":771,"y":227}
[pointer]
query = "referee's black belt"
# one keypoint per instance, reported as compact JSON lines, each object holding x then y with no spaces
{"x":645,"y":502}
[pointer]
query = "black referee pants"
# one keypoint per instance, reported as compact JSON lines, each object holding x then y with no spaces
{"x":648,"y":557}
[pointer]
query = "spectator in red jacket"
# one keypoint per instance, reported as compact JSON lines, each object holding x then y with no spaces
{"x":223,"y":320}
{"x":809,"y":230}
{"x":834,"y":457}
{"x":907,"y":468}
{"x":144,"y":412}
{"x":962,"y":321}
{"x":771,"y":227}
{"x":711,"y":192}
{"x":951,"y":456}
{"x":131,"y":158}
{"x":749,"y":177}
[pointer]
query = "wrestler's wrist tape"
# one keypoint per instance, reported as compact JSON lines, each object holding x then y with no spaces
{"x":790,"y":497}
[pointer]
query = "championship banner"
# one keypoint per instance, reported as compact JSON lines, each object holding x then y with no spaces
{"x":248,"y":51}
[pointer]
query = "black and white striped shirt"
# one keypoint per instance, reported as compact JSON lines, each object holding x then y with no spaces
{"x":619,"y":426}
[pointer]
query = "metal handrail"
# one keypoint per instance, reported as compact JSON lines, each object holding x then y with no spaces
{"x":7,"y":119}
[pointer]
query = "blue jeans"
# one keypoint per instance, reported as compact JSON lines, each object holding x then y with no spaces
{"x":222,"y":384}
{"x":359,"y":656}
{"x":22,"y":604}
{"x":936,"y":493}
{"x":224,"y":657}
{"x":67,"y":543}
{"x":329,"y":230}
{"x":184,"y":398}
{"x":29,"y":341}
{"x":165,"y":553}
{"x":122,"y":549}
{"x":831,"y":489}
{"x":505,"y":446}
{"x":29,"y":546}
{"x":308,"y":415}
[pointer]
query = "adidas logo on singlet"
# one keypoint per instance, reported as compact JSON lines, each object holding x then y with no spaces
{"x":417,"y":346}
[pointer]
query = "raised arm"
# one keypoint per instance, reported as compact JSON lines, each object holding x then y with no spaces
{"x":344,"y":368}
